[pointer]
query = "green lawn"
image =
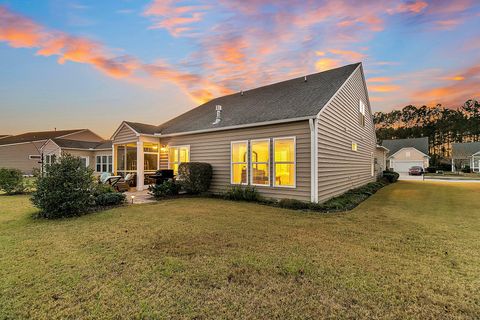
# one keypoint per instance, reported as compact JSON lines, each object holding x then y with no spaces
{"x":410,"y":251}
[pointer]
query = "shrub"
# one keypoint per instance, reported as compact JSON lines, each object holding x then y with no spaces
{"x":241,"y":193}
{"x":195,"y":177}
{"x":293,"y":204}
{"x":431,"y":169}
{"x":110,"y":199}
{"x":11,"y":181}
{"x":101,"y":188}
{"x":391,"y":176}
{"x":166,"y":189}
{"x":65,"y":189}
{"x":466,"y":169}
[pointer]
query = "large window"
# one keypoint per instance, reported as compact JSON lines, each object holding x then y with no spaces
{"x":177,"y":155}
{"x":284,"y":162}
{"x":104,"y":164}
{"x":260,"y":159}
{"x":150,"y":157}
{"x":239,"y":162}
{"x":50,"y":159}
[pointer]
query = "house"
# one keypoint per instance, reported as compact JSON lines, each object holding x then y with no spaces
{"x":96,"y":155}
{"x":466,"y":155}
{"x":406,"y":153}
{"x":309,"y":138}
{"x":23,"y":151}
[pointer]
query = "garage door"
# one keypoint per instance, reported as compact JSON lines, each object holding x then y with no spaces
{"x":403,"y":166}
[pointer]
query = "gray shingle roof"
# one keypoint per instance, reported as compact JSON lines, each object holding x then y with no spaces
{"x":464,"y":150}
{"x":284,"y":100}
{"x":421,"y":144}
{"x":87,"y":145}
{"x":142,"y":127}
{"x":36,"y":136}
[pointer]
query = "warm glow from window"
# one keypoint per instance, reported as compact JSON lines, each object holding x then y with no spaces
{"x":239,"y":162}
{"x":260,"y":158}
{"x":284,"y":162}
{"x":177,"y":155}
{"x":354,"y":146}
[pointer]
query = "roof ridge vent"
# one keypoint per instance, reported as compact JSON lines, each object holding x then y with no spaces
{"x":241,"y":92}
{"x":305,"y":79}
{"x":218,"y":109}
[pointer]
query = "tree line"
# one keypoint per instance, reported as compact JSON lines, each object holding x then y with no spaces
{"x":442,"y":126}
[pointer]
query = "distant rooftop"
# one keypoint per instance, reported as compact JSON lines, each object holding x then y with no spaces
{"x":87,"y":145}
{"x":464,"y":150}
{"x":421,"y":144}
{"x":36,"y":136}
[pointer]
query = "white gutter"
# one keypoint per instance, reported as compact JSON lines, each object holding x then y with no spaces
{"x":313,"y":159}
{"x":249,"y":125}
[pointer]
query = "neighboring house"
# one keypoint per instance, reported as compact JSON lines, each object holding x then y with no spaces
{"x":406,"y":153}
{"x":309,"y":138}
{"x":466,"y":155}
{"x":380,"y":159}
{"x":96,"y":155}
{"x":23,"y":151}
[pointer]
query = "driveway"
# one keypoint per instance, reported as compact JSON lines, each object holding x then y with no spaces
{"x":405,"y":176}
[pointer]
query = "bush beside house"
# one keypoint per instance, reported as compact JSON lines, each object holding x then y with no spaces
{"x":67,"y":189}
{"x":12,"y":181}
{"x":195,"y":177}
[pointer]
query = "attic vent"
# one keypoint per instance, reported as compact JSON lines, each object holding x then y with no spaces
{"x":305,"y":79}
{"x":218,"y":108}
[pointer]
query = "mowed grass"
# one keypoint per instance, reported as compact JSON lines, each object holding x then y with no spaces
{"x":410,"y":251}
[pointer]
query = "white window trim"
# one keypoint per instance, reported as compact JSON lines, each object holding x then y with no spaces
{"x":101,"y":161}
{"x":246,"y":162}
{"x":179,"y":162}
{"x":294,"y":162}
{"x":363,"y":111}
{"x":268,"y":163}
{"x":87,"y":161}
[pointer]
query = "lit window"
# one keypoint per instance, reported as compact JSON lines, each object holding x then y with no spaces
{"x":239,"y":159}
{"x":354,"y":146}
{"x":362,"y":113}
{"x":177,"y":155}
{"x":103,"y":164}
{"x":284,"y":162}
{"x":260,"y":158}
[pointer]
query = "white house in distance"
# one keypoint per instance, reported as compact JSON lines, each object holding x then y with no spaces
{"x":309,"y":138}
{"x":466,"y":155}
{"x":406,"y":153}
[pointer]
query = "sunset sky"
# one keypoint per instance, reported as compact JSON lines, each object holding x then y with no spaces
{"x":91,"y":64}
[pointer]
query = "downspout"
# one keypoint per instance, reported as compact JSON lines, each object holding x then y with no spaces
{"x":313,"y":122}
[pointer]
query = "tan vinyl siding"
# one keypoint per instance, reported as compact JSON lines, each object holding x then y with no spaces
{"x":125,"y":134}
{"x":86,"y":135}
{"x":340,"y":168}
{"x":381,"y":157}
{"x":214,"y":148}
{"x":16,"y":156}
{"x":82,"y":153}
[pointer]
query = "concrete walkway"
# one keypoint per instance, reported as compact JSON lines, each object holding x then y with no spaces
{"x":139,"y":197}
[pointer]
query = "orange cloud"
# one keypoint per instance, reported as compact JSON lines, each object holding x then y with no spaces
{"x":18,"y":31}
{"x":414,"y":7}
{"x":351,"y":56}
{"x":168,"y":15}
{"x":458,"y":91}
{"x":326,"y":63}
{"x":384,"y":88}
{"x":380,"y":79}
